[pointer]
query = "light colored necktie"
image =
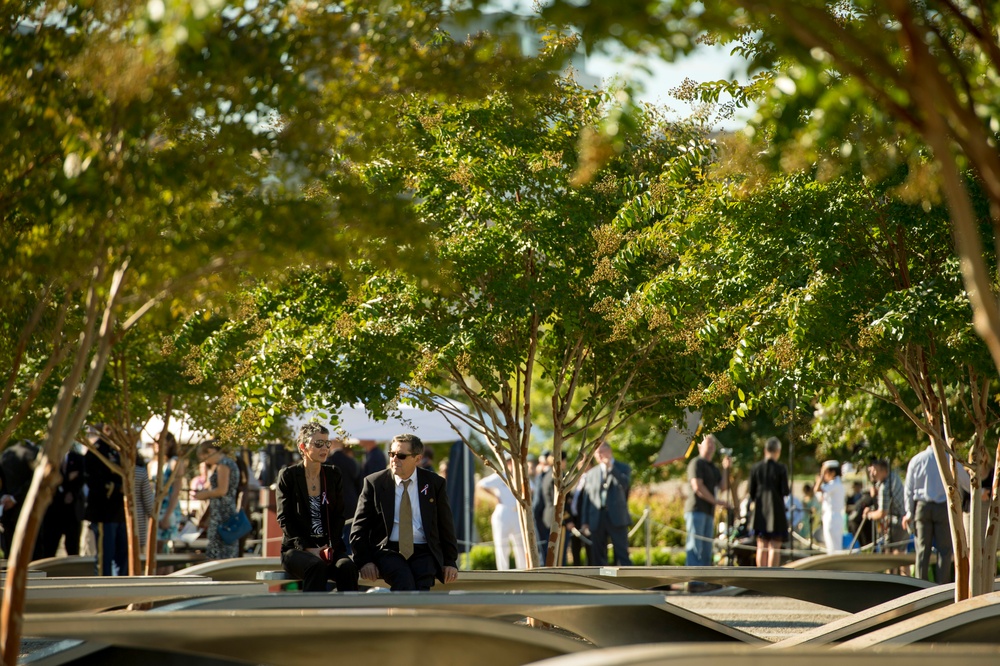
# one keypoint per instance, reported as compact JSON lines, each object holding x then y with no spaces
{"x":406,"y":522}
{"x":605,"y":482}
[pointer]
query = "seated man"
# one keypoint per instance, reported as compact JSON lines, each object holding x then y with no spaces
{"x":403,"y":529}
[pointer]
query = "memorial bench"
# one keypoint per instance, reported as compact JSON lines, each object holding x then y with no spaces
{"x":387,"y":637}
{"x":873,"y":562}
{"x":863,"y":622}
{"x":238,"y":568}
{"x":743,"y":655}
{"x":116,"y":593}
{"x":975,"y":620}
{"x":83,"y":565}
{"x":604,"y":618}
{"x":850,"y":591}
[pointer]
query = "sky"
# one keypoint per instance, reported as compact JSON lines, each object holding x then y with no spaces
{"x":705,"y":64}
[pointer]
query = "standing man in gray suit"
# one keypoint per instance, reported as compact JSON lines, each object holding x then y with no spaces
{"x":605,"y":507}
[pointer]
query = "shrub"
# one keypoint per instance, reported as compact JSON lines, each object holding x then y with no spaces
{"x":662,"y":557}
{"x":666,"y":516}
{"x":481,"y":518}
{"x":481,"y":558}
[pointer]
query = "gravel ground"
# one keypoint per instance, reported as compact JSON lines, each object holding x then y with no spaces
{"x":770,"y":618}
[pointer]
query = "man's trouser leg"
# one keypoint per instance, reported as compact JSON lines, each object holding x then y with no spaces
{"x":932,"y":529}
{"x":698,"y":547}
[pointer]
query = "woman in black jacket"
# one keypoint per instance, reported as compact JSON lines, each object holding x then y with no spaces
{"x":311,"y":516}
{"x":768,"y":489}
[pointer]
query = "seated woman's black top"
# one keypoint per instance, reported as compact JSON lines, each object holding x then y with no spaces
{"x":300,"y":532}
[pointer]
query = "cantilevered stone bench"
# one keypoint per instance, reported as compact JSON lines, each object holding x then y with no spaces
{"x":106,"y":595}
{"x":850,"y":591}
{"x":83,"y":565}
{"x":876,"y":617}
{"x":873,"y":562}
{"x":63,"y":581}
{"x":32,"y":575}
{"x":743,"y":655}
{"x":238,"y":568}
{"x":604,"y":618}
{"x":975,"y":620}
{"x":394,"y":637}
{"x":526,"y":580}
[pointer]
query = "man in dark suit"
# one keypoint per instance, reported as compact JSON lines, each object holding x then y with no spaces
{"x":65,"y":514}
{"x":105,"y":505}
{"x":605,"y":507}
{"x":544,"y":507}
{"x":18,"y":468}
{"x":403,"y":530}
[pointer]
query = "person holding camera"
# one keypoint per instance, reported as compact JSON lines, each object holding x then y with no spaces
{"x":699,"y":509}
{"x":890,"y":507}
{"x":310,"y":502}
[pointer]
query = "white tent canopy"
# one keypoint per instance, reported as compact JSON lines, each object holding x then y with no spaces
{"x":179,"y":425}
{"x":429,"y":426}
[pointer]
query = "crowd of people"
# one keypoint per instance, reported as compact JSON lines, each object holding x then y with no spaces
{"x":388,"y":517}
{"x":87,"y":515}
{"x":595,"y":512}
{"x":884,"y":514}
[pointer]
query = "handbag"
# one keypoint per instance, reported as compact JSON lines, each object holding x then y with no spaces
{"x":235,"y":528}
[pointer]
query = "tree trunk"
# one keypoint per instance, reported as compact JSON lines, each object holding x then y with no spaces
{"x":977,"y":554}
{"x":44,"y":482}
{"x":161,"y":491}
{"x":151,"y":532}
{"x":960,"y":545}
{"x":527,"y":519}
{"x":553,"y":552}
{"x":131,"y":523}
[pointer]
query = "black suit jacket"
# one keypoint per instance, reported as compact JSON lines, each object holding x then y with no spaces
{"x":18,"y":464}
{"x":105,"y":502}
{"x":376,"y":512}
{"x":293,"y":509}
{"x":615,"y":510}
{"x":72,"y":488}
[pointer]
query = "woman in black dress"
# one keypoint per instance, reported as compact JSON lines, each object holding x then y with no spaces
{"x":768,"y":489}
{"x":311,"y":515}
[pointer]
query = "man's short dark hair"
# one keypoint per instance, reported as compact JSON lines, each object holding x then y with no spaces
{"x":416,"y":446}
{"x":307,"y":431}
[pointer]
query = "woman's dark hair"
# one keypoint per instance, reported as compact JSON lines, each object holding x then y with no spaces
{"x":208,"y":445}
{"x":171,"y":450}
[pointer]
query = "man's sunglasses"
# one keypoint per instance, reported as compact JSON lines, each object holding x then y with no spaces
{"x":321,"y":444}
{"x":399,"y":456}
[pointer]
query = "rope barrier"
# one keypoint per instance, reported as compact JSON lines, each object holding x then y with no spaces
{"x":642,"y":519}
{"x":721,"y":543}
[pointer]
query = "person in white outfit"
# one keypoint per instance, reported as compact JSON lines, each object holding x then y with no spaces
{"x":830,"y":490}
{"x":505,"y":524}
